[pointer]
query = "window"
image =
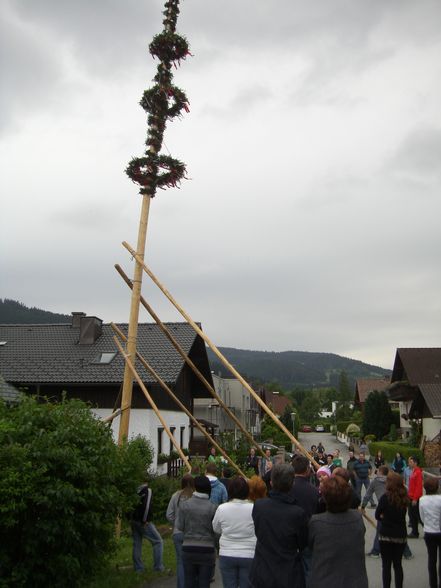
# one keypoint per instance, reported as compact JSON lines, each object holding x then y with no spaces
{"x":104,"y":357}
{"x":181,"y":437}
{"x":172,"y":431}
{"x":160,"y":431}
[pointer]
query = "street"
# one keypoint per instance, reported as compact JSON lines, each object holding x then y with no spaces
{"x":415,"y":570}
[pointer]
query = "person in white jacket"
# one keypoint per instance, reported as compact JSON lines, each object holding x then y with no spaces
{"x":430,"y":514}
{"x":233,"y":521}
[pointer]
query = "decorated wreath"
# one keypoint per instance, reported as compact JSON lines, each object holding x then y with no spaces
{"x":162,"y":102}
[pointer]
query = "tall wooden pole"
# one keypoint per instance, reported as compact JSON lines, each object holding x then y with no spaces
{"x":226,"y":363}
{"x":126,"y":399}
{"x":162,"y":102}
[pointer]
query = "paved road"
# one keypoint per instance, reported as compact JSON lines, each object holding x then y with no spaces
{"x":415,"y":570}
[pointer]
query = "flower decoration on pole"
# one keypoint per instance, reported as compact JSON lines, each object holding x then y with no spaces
{"x":162,"y":102}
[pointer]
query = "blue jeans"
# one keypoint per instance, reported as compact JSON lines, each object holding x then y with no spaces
{"x":149,"y":532}
{"x":306,"y":556}
{"x":235,"y":571}
{"x":198,"y":568}
{"x":177,"y":540}
{"x":359,"y":483}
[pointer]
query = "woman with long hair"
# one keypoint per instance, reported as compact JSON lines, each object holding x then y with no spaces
{"x":399,"y":463}
{"x":378,"y":461}
{"x":234,"y":523}
{"x":180,"y":496}
{"x":257,"y":488}
{"x":392,"y":533}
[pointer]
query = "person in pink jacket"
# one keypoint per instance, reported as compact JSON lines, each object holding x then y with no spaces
{"x":415,"y":491}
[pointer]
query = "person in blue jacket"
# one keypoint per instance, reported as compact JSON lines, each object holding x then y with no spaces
{"x":219,"y":493}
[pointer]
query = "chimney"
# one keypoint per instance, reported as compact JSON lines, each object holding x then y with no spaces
{"x":91,"y":328}
{"x":76,"y":318}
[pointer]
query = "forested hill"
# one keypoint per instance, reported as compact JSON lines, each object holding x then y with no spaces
{"x":294,"y":368}
{"x":289,"y":368}
{"x":14,"y":312}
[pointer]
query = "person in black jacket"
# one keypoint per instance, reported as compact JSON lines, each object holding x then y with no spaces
{"x":281,"y":528}
{"x":306,"y":496}
{"x":142,"y":527}
{"x":392,"y":533}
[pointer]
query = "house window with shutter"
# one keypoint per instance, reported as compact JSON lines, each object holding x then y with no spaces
{"x":160,"y":431}
{"x":172,"y":431}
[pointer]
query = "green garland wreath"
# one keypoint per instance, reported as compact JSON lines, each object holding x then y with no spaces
{"x":162,"y":102}
{"x":144,"y":171}
{"x":169,"y":47}
{"x":157,"y":101}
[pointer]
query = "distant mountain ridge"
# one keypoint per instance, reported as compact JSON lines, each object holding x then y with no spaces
{"x":294,"y":368}
{"x":288,"y":368}
{"x":13,"y":312}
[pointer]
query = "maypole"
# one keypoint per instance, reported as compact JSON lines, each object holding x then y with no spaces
{"x":162,"y":102}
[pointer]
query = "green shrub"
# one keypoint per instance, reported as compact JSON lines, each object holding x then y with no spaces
{"x":390,"y":449}
{"x":162,"y":489}
{"x":63,"y":482}
{"x":393,"y":433}
{"x":369,"y":438}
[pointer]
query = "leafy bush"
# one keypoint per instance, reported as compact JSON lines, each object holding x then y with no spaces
{"x":389,"y":450}
{"x":162,"y":489}
{"x":63,"y":482}
{"x":369,"y":438}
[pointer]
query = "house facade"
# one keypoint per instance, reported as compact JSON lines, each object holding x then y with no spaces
{"x":240,"y":402}
{"x":81,"y":359}
{"x":416,"y":385}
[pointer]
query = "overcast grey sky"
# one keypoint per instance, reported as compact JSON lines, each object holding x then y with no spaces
{"x":311,"y":219}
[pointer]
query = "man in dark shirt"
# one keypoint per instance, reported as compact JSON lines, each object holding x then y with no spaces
{"x":281,"y":528}
{"x":307,"y":497}
{"x":362,"y":469}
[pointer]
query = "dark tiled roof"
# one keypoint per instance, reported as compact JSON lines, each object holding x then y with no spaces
{"x":432,"y":395}
{"x":364,"y":386}
{"x":421,"y":365}
{"x":51,"y":354}
{"x":7,"y":392}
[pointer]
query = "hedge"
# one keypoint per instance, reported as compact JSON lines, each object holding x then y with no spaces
{"x":343,"y":425}
{"x":389,"y":450}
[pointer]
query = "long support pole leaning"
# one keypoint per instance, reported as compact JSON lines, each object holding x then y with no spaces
{"x":189,"y":362}
{"x":126,"y":398}
{"x":216,"y":351}
{"x":179,"y":403}
{"x":152,"y":403}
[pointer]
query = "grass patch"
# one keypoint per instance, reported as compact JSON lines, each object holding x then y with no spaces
{"x":119,"y":573}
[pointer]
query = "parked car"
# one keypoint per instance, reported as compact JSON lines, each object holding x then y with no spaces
{"x":274,"y":449}
{"x":320,"y":429}
{"x":306,"y":429}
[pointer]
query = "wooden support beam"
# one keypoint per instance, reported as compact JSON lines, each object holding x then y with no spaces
{"x":114,"y":414}
{"x":179,"y":403}
{"x":152,"y":403}
{"x":216,"y":351}
{"x":190,"y":363}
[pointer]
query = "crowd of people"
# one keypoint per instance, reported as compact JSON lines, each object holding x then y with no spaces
{"x":289,"y":525}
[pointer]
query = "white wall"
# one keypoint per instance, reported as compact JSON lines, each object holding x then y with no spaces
{"x":431,"y":428}
{"x":143,"y":421}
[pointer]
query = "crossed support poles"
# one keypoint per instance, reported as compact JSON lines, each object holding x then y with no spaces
{"x":130,"y":356}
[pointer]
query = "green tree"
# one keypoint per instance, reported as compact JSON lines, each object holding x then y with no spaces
{"x":269,"y":430}
{"x":310,"y":408}
{"x":63,"y":482}
{"x":377,"y":417}
{"x":344,"y":389}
